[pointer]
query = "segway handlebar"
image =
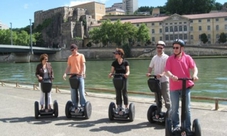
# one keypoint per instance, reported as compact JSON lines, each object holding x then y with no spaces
{"x":185,"y":78}
{"x":153,"y":76}
{"x":118,"y":74}
{"x":73,"y":74}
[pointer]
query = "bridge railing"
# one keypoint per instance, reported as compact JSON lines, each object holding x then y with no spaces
{"x":58,"y":87}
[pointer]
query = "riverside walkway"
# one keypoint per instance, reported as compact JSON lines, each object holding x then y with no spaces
{"x":17,"y":116}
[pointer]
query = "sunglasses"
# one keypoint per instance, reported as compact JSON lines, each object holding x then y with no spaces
{"x":176,"y":48}
{"x":159,"y":48}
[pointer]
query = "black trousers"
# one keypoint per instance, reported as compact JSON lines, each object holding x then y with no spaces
{"x":123,"y":92}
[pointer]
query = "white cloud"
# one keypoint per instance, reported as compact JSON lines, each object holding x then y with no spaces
{"x":78,"y":2}
{"x":26,"y":6}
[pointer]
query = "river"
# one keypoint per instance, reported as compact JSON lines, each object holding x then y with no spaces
{"x":212,"y":75}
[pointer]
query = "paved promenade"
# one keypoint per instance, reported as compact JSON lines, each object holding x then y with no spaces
{"x":17,"y":116}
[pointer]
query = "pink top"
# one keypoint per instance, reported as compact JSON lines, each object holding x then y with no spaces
{"x":180,"y":67}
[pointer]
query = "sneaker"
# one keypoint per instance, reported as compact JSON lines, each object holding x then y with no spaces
{"x":77,"y":110}
{"x":81,"y":109}
{"x":73,"y":109}
{"x":177,"y":129}
{"x":126,"y":110}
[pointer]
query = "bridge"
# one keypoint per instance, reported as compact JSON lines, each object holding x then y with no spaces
{"x":17,"y":53}
{"x":27,"y":49}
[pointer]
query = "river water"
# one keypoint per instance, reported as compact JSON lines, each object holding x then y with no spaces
{"x":212,"y":75}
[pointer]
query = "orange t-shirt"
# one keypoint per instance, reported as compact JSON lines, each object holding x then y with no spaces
{"x":76,"y":63}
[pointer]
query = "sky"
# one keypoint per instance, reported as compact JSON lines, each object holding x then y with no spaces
{"x":19,"y":12}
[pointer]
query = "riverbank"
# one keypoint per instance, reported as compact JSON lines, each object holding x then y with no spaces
{"x":106,"y":53}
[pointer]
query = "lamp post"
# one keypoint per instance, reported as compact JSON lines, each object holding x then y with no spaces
{"x":31,"y":36}
{"x":11,"y":36}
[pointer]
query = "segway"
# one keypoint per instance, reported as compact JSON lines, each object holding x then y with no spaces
{"x":155,"y":113}
{"x":196,"y":130}
{"x":46,"y":86}
{"x":82,"y":111}
{"x":128,"y":114}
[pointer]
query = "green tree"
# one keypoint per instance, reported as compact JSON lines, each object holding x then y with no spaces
{"x":222,"y":38}
{"x":189,"y":6}
{"x":143,"y":34}
{"x":204,"y":38}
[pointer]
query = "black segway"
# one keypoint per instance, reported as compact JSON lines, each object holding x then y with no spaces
{"x":113,"y":113}
{"x":46,"y":86}
{"x":70,"y":108}
{"x":196,"y":130}
{"x":155,"y":113}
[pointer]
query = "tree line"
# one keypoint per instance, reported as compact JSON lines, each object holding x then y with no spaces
{"x":183,"y":7}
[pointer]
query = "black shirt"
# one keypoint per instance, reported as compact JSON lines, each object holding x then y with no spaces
{"x":120,"y":68}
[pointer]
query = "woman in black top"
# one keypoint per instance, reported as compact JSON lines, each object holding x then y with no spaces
{"x":120,"y":65}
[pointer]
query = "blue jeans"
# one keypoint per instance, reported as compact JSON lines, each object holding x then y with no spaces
{"x":81,"y":93}
{"x":175,"y":97}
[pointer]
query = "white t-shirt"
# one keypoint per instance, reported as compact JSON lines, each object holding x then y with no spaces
{"x":158,"y":64}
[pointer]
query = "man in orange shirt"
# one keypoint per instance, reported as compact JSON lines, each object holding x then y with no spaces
{"x":76,"y":65}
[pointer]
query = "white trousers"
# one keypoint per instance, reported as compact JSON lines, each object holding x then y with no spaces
{"x":42,"y":97}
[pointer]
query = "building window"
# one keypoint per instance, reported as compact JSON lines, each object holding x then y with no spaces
{"x":191,"y":21}
{"x":208,"y":20}
{"x":180,"y":22}
{"x":175,"y":36}
{"x":180,"y":36}
{"x":175,"y":28}
{"x":171,"y":37}
{"x":226,"y":19}
{"x":217,"y":36}
{"x":208,"y":28}
{"x":217,"y":27}
{"x":160,"y":38}
{"x":200,"y":28}
{"x":185,"y":36}
{"x":166,"y":29}
{"x":192,"y":37}
{"x":208,"y":36}
{"x":217,"y":19}
{"x":160,"y":30}
{"x":166,"y":23}
{"x":225,"y":27}
{"x":160,"y":24}
{"x":171,"y":28}
{"x":191,"y":28}
{"x":138,"y":25}
{"x":167,"y":37}
{"x":185,"y":28}
{"x":153,"y":39}
{"x":200,"y":20}
{"x":152,"y":24}
{"x":153,"y":31}
{"x":180,"y":28}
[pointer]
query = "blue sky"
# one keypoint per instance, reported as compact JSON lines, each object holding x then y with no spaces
{"x":18,"y":12}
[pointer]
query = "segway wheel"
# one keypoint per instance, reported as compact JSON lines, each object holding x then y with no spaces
{"x":68,"y":106}
{"x":111,"y":114}
{"x":131,"y":112}
{"x":55,"y":109}
{"x":151,"y":113}
{"x":168,"y":127}
{"x":87,"y":110}
{"x":196,"y":128}
{"x":36,"y":105}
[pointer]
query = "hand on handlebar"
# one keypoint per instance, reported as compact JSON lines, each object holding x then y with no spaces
{"x":64,"y":76}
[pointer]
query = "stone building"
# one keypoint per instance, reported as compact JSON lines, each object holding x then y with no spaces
{"x":63,"y":25}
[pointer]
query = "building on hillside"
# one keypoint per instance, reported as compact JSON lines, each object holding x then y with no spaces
{"x":114,"y":11}
{"x":118,"y":5}
{"x":95,"y":9}
{"x":3,"y":26}
{"x":130,"y":6}
{"x":186,"y":27}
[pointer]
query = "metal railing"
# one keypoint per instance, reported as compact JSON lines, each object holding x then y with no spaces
{"x":58,"y":87}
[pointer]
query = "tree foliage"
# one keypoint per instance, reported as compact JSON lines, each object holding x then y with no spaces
{"x":189,"y":6}
{"x":204,"y":38}
{"x":222,"y":38}
{"x":19,"y":37}
{"x":119,"y":33}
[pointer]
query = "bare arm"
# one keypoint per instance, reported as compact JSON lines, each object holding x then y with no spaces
{"x":66,"y":71}
{"x":149,"y":71}
{"x":195,"y":74}
{"x":127,"y":71}
{"x":111,"y":72}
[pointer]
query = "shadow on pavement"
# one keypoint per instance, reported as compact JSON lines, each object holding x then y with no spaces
{"x":31,"y":120}
{"x":116,"y":128}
